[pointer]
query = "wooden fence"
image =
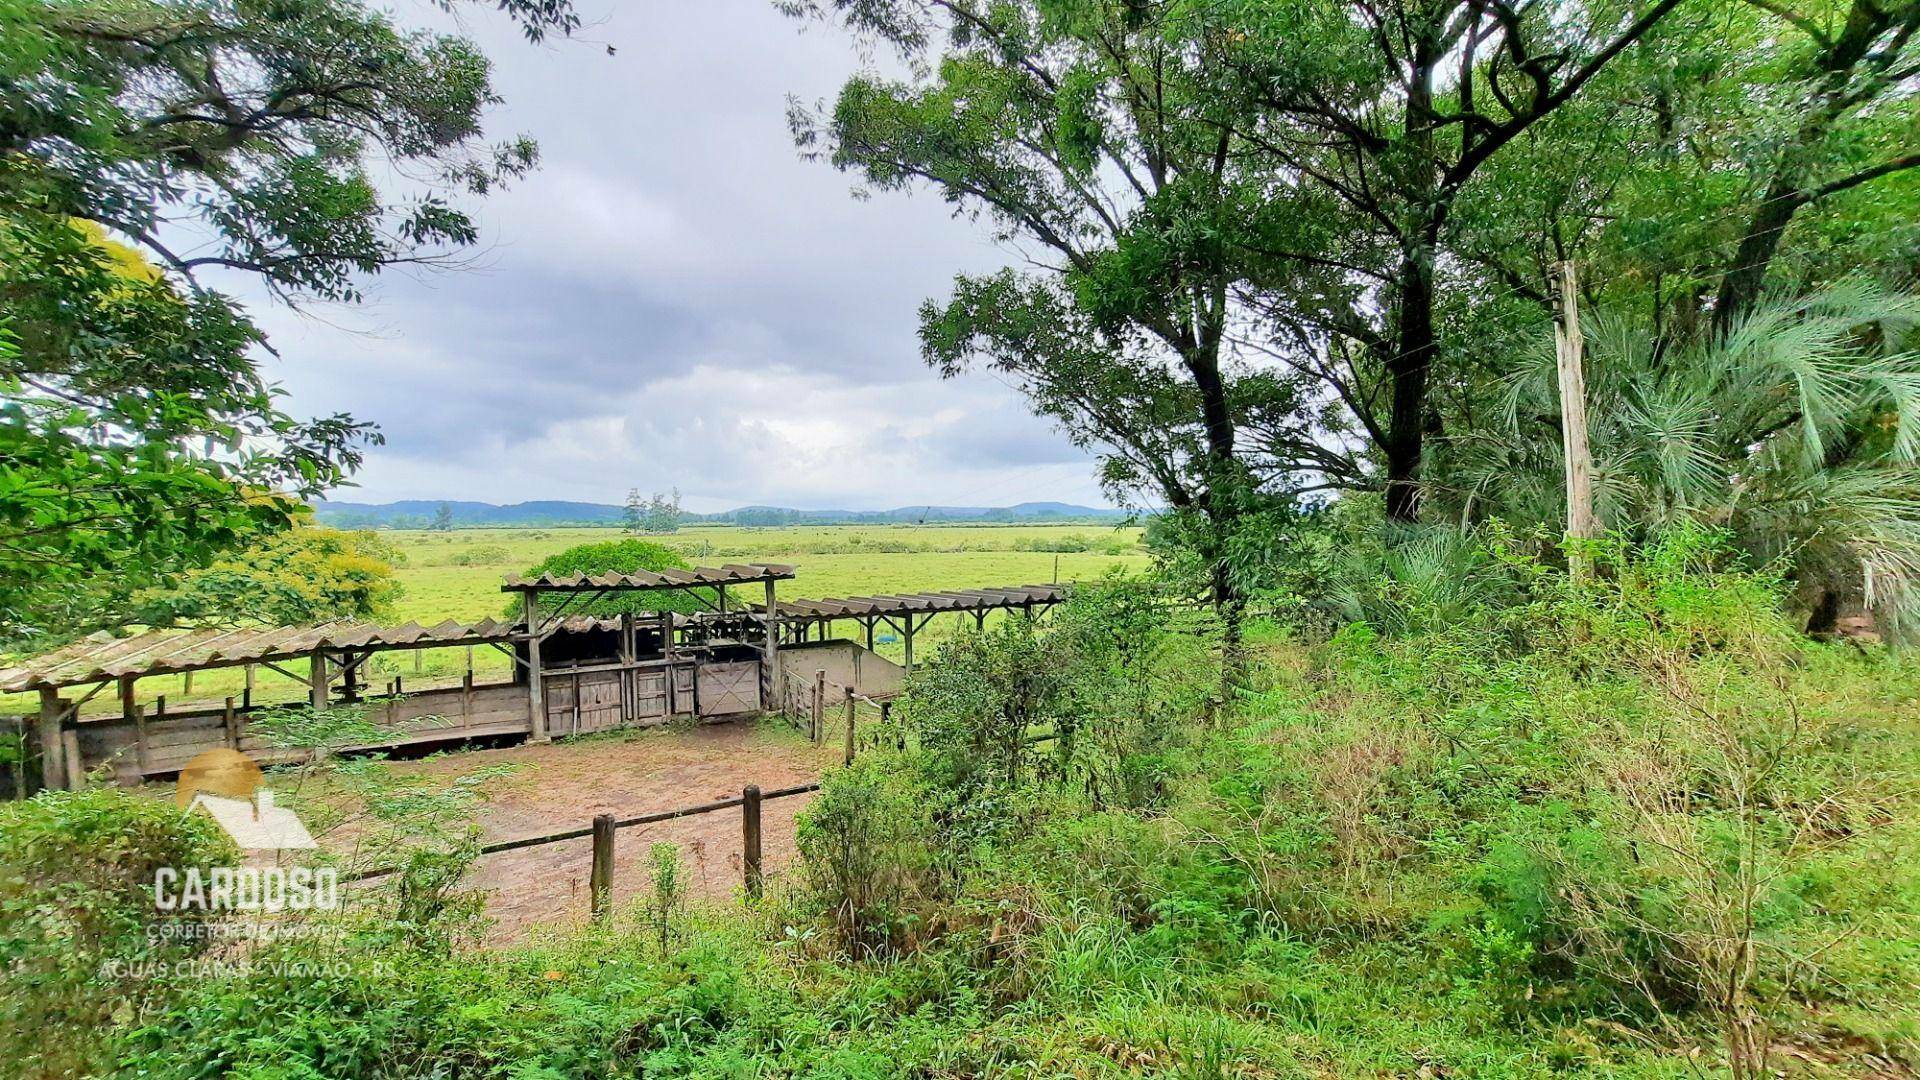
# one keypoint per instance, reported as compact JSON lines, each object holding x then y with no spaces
{"x":604,"y":825}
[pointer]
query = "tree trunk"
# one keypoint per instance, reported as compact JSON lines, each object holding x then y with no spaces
{"x":1742,"y":284}
{"x":1407,"y":376}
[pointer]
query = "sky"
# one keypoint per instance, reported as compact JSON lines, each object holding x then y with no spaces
{"x":675,"y":299}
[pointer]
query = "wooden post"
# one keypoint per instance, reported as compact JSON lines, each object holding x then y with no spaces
{"x":869,"y":625}
{"x":126,"y":697}
{"x":466,"y":693}
{"x":536,"y":690}
{"x":53,"y":773}
{"x":70,"y":750}
{"x":1582,"y":523}
{"x":909,"y":663}
{"x":186,"y":682}
{"x":819,"y":703}
{"x":417,"y":654}
{"x":627,"y":704}
{"x":601,"y":881}
{"x":317,"y":680}
{"x":850,"y":715}
{"x":19,"y":762}
{"x":143,"y":752}
{"x":231,"y":720}
{"x":750,"y":840}
{"x":771,"y":654}
{"x":246,"y":693}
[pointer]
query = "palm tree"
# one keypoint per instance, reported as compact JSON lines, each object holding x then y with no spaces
{"x":1797,"y":430}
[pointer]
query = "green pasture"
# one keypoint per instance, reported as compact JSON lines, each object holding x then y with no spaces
{"x":457,"y":575}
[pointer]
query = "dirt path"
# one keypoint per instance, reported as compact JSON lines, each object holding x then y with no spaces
{"x":564,"y":784}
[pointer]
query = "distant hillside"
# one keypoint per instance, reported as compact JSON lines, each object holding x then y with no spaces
{"x":419,"y":513}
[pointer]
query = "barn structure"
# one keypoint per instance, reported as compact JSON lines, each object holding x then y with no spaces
{"x":571,"y":673}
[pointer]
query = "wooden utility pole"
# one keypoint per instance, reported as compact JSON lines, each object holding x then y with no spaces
{"x":1582,"y":523}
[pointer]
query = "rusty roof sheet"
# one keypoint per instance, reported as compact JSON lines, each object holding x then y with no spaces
{"x":100,"y":657}
{"x":1011,"y":596}
{"x":729,"y":574}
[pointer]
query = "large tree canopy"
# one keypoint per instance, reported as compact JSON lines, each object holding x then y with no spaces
{"x":1274,"y":246}
{"x":135,"y":431}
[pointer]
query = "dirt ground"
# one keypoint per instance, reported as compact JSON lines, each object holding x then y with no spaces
{"x":564,"y":784}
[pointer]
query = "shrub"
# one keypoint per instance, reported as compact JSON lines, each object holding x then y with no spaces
{"x":867,"y":845}
{"x":77,"y":903}
{"x":484,"y":555}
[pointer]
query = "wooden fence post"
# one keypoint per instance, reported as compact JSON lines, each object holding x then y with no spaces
{"x":850,"y":711}
{"x":601,"y":881}
{"x":819,"y":702}
{"x":231,"y":721}
{"x":750,"y":840}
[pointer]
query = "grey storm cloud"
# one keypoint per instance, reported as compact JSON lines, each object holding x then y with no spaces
{"x":675,"y":299}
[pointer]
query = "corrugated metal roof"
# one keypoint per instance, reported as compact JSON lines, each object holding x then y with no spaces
{"x":100,"y":657}
{"x":1012,"y":596}
{"x":730,"y":574}
{"x":159,"y":652}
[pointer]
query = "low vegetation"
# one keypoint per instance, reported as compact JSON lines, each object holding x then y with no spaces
{"x":1641,"y":826}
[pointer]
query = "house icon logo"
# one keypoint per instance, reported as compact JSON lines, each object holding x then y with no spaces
{"x":230,"y":787}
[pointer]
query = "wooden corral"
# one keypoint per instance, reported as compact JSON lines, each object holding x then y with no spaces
{"x":572,"y":674}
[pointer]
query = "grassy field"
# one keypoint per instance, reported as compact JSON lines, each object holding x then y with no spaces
{"x":457,"y":575}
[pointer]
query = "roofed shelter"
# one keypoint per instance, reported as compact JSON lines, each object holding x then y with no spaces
{"x":654,"y":680}
{"x":571,"y":673}
{"x":616,"y":672}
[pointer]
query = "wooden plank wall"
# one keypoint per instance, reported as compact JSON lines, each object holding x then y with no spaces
{"x":174,"y":738}
{"x":158,"y":745}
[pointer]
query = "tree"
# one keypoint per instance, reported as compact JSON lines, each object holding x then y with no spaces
{"x":1228,"y":203}
{"x":135,"y":431}
{"x":662,"y":514}
{"x":633,"y":518}
{"x":622,"y":557}
{"x":442,"y":519}
{"x":1793,"y":431}
{"x":304,"y":575}
{"x":1096,"y":137}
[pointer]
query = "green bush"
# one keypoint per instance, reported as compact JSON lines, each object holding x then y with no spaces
{"x":620,"y":557}
{"x":79,"y":924}
{"x":484,"y":555}
{"x":868,"y":848}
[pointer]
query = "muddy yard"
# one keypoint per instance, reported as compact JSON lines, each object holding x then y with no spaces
{"x":562,"y":785}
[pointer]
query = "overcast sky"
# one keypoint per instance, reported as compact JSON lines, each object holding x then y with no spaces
{"x":675,"y":299}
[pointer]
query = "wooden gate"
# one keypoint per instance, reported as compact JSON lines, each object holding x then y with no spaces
{"x":732,"y":687}
{"x":650,"y":699}
{"x":582,"y":702}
